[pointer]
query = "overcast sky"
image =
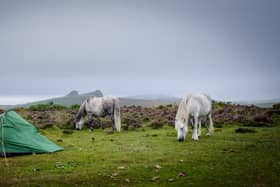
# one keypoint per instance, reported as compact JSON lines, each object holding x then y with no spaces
{"x":229,"y":49}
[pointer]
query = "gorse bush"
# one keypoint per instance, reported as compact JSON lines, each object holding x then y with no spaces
{"x":276,"y":106}
{"x":133,"y":117}
{"x":49,"y":106}
{"x":75,"y":106}
{"x":244,"y":130}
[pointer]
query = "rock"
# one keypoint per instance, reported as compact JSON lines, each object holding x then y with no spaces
{"x":157,"y":166}
{"x":121,"y":167}
{"x":73,"y":93}
{"x":155,"y":178}
{"x":170,"y":180}
{"x":59,"y":165}
{"x":127,"y":180}
{"x":36,"y":169}
{"x":181,"y":174}
{"x":114,"y":175}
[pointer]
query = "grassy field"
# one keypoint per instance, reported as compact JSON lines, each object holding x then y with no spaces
{"x":148,"y":157}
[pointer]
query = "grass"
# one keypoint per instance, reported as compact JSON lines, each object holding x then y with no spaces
{"x":133,"y":158}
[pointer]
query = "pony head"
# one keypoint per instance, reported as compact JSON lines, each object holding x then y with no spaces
{"x":181,"y":120}
{"x":181,"y":129}
{"x":79,"y":124}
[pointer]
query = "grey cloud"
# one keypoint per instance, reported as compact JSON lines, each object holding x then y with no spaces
{"x":220,"y":47}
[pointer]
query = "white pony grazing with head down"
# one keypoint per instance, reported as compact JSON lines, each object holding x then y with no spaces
{"x":192,"y":109}
{"x":99,"y":107}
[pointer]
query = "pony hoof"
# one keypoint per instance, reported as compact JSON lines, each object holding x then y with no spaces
{"x":208,"y":134}
{"x":195,"y":139}
{"x":89,"y":130}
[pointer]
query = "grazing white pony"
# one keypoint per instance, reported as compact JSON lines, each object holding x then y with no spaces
{"x":99,"y":107}
{"x":192,"y":109}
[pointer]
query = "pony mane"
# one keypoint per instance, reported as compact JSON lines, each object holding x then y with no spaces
{"x":206,"y":95}
{"x":182,"y":112}
{"x":82,"y":111}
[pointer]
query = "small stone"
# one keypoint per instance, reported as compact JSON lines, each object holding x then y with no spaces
{"x":155,"y":178}
{"x":157,"y":166}
{"x":36,"y":169}
{"x":115,"y":174}
{"x":127,"y":180}
{"x":170,"y":180}
{"x":181,"y":174}
{"x":59,"y":165}
{"x":121,"y":167}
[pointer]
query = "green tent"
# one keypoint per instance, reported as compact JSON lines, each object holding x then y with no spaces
{"x":17,"y":136}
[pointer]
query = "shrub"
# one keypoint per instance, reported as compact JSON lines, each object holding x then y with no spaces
{"x":132,"y":122}
{"x":44,"y":107}
{"x":160,"y":107}
{"x":156,"y":124}
{"x":218,"y":125}
{"x":74,"y":107}
{"x":146,"y":119}
{"x":244,"y":130}
{"x":262,"y":118}
{"x":276,"y":119}
{"x":276,"y":106}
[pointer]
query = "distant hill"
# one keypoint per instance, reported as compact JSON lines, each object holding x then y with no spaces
{"x":146,"y":102}
{"x":149,"y":100}
{"x":74,"y":97}
{"x":260,"y":103}
{"x":155,"y":97}
{"x":70,"y":99}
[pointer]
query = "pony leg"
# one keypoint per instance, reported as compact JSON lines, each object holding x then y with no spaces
{"x":192,"y":122}
{"x":199,"y":128}
{"x":210,"y":127}
{"x":99,"y":122}
{"x":90,"y":117}
{"x":113,"y":122}
{"x":194,"y":132}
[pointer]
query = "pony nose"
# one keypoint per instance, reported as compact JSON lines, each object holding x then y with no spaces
{"x":181,"y":139}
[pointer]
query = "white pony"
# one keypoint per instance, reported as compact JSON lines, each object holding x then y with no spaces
{"x":99,"y":107}
{"x":192,"y":109}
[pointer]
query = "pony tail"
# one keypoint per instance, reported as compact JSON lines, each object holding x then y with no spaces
{"x":117,"y":115}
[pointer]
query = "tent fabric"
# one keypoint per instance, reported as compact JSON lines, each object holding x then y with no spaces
{"x":20,"y":136}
